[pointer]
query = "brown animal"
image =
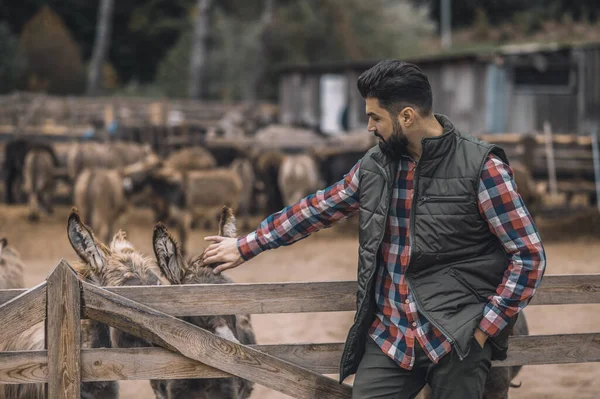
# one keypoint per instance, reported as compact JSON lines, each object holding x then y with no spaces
{"x":93,"y":335}
{"x":243,"y":167}
{"x":102,"y":194}
{"x":298,"y":177}
{"x":195,"y":158}
{"x":185,"y":160}
{"x":39,"y":182}
{"x":11,"y":267}
{"x":237,"y":328}
{"x":116,"y":265}
{"x":195,"y":194}
{"x":526,"y":187}
{"x":266,"y":167}
{"x":103,"y":155}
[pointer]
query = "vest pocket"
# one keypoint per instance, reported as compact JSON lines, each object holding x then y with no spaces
{"x":462,"y":281}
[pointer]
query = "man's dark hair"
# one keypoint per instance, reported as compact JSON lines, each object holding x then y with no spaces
{"x":397,"y":84}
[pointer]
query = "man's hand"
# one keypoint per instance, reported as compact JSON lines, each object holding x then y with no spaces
{"x":222,"y":249}
{"x":481,"y":337}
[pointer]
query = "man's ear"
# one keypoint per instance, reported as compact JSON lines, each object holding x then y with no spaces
{"x":407,"y":117}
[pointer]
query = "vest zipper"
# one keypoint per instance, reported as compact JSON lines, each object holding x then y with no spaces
{"x":436,"y":198}
{"x":461,"y":356}
{"x":389,"y":191}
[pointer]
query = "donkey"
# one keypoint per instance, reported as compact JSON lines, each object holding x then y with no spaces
{"x":93,"y":335}
{"x":237,"y":328}
{"x":116,"y":265}
{"x":103,"y":194}
{"x":39,"y":182}
{"x":197,"y":194}
{"x":11,"y":267}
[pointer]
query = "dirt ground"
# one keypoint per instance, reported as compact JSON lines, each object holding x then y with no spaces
{"x":330,"y":255}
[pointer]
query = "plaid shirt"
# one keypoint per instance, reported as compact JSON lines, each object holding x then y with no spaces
{"x":397,"y":323}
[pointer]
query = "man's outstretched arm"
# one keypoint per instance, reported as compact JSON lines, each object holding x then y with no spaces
{"x":508,"y":218}
{"x":291,"y":224}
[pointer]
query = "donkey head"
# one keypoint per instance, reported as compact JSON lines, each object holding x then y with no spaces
{"x":195,"y":271}
{"x":117,"y":265}
{"x":171,"y":263}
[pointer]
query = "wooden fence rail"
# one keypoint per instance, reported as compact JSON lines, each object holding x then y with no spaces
{"x":300,"y":297}
{"x":191,"y":352}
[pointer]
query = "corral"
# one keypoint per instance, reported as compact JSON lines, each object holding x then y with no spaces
{"x":570,"y":331}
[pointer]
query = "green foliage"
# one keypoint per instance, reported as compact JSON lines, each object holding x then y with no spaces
{"x":529,"y":14}
{"x":12,"y":61}
{"x":302,"y":32}
{"x":233,"y":46}
{"x":151,"y":39}
{"x":173,"y":71}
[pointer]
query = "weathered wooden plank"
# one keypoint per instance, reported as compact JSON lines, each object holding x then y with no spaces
{"x":297,"y":297}
{"x":147,"y":363}
{"x":22,"y":312}
{"x":198,"y":344}
{"x":209,"y":299}
{"x":568,"y":289}
{"x":7,"y":295}
{"x":553,"y":349}
{"x":23,"y":367}
{"x":152,"y":363}
{"x":63,"y":333}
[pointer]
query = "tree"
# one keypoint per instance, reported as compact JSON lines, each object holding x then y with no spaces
{"x":12,"y":62}
{"x":242,"y":40}
{"x":199,"y":48}
{"x":101,"y":45}
{"x":258,"y":69}
{"x":464,"y":12}
{"x":53,"y":57}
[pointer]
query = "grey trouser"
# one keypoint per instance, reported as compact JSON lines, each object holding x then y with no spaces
{"x":378,"y":376}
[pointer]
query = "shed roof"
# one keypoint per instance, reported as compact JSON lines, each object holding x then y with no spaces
{"x":482,"y":53}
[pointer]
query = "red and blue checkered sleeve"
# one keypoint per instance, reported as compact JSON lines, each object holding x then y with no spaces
{"x":298,"y":221}
{"x":502,"y":207}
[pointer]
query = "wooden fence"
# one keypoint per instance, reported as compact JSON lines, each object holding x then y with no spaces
{"x":186,"y":351}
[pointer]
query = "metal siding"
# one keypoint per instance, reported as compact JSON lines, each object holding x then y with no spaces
{"x":458,"y":92}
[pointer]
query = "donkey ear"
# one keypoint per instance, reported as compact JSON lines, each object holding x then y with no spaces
{"x":168,"y":255}
{"x":3,"y":244}
{"x":84,"y":243}
{"x":227,"y":227}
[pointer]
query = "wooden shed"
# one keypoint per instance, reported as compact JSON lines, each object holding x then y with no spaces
{"x":512,"y":88}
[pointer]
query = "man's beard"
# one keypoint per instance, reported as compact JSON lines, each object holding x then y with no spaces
{"x":396,"y":145}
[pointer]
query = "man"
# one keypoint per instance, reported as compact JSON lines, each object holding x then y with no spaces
{"x":448,"y":256}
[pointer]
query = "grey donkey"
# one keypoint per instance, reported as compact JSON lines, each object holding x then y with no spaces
{"x":93,"y":335}
{"x":236,"y":328}
{"x":117,"y":265}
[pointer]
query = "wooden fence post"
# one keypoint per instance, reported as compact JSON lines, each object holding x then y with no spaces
{"x":63,"y":333}
{"x":550,"y":158}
